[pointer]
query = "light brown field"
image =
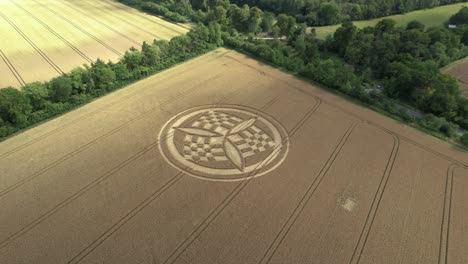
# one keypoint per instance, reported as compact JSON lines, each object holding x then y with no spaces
{"x":93,"y":187}
{"x":42,"y":39}
{"x":459,"y":70}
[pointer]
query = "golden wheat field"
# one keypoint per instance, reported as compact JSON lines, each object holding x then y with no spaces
{"x":40,"y":39}
{"x":225,"y":160}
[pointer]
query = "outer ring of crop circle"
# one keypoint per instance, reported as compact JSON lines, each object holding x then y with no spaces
{"x":275,"y":123}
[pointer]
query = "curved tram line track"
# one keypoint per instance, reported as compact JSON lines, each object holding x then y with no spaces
{"x":447,"y":214}
{"x":363,"y":237}
{"x":306,"y":197}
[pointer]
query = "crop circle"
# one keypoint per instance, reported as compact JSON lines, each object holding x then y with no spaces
{"x":224,"y":143}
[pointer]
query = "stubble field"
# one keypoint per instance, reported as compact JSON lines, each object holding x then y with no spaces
{"x":155,"y":173}
{"x":43,"y":39}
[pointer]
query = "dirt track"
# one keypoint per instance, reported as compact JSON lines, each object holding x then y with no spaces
{"x":42,"y":39}
{"x":96,"y":185}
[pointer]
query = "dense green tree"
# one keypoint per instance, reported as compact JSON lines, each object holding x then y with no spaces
{"x":311,"y":52}
{"x":343,"y":36}
{"x":255,"y":18}
{"x":286,"y":24}
{"x":121,"y":71}
{"x":218,"y":14}
{"x":37,"y":93}
{"x":132,"y":58}
{"x":440,"y":96}
{"x":199,"y":4}
{"x":150,"y":54}
{"x":464,"y":139}
{"x":352,"y":11}
{"x":14,"y":107}
{"x":213,"y":3}
{"x":215,"y":34}
{"x":384,"y":26}
{"x":182,"y":7}
{"x":329,"y":14}
{"x":239,"y":17}
{"x":460,"y":18}
{"x":78,"y":78}
{"x":415,"y":25}
{"x":268,"y":21}
{"x":104,"y":77}
{"x":61,"y":88}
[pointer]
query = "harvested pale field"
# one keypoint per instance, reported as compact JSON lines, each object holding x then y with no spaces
{"x":226,"y":160}
{"x":43,"y":39}
{"x":459,"y":70}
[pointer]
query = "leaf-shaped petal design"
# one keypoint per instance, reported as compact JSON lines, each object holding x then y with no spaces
{"x":234,"y":155}
{"x":198,"y":132}
{"x":242,"y":126}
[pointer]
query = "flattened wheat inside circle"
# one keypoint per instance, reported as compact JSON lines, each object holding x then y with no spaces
{"x":225,"y":143}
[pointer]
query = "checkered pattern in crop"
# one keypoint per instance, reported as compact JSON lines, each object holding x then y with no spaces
{"x":252,"y":141}
{"x":217,"y":121}
{"x":198,"y":148}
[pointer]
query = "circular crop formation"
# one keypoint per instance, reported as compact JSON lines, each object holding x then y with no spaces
{"x":224,"y":143}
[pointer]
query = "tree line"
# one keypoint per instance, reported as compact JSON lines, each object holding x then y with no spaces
{"x":310,"y":12}
{"x":404,"y":61}
{"x":374,"y":65}
{"x":39,"y":101}
{"x":321,"y":13}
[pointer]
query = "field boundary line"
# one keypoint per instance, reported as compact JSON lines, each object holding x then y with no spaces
{"x":32,"y":44}
{"x":80,"y":29}
{"x":363,"y":237}
{"x":274,"y":245}
{"x":447,"y":214}
{"x":400,"y":136}
{"x":98,"y":139}
{"x":125,"y":20}
{"x":135,"y":92}
{"x":12,"y":68}
{"x":146,"y":202}
{"x":136,"y":12}
{"x":78,"y":9}
{"x":232,"y":195}
{"x":73,"y":47}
